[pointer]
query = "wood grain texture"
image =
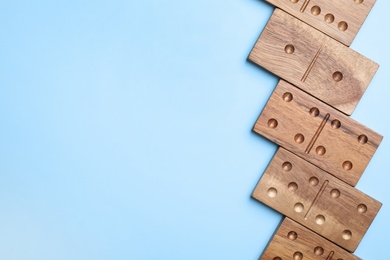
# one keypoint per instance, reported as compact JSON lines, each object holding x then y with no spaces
{"x":317,"y":132}
{"x":314,"y":62}
{"x":316,"y":199}
{"x":294,"y":241}
{"x":340,"y":19}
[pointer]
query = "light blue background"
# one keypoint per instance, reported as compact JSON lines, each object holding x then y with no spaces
{"x":126,"y":130}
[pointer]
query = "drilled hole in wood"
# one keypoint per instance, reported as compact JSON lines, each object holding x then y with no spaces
{"x":292,"y":235}
{"x":318,"y":250}
{"x":287,"y":166}
{"x":347,"y":234}
{"x":299,"y":138}
{"x":362,"y":208}
{"x":343,"y":26}
{"x":329,"y":18}
{"x":272,"y":123}
{"x":358,"y":1}
{"x":314,"y":112}
{"x":289,"y":49}
{"x":336,"y":124}
{"x":277,"y":258}
{"x":292,"y":186}
{"x":315,"y":10}
{"x":363,"y":139}
{"x":337,"y":76}
{"x":314,"y":181}
{"x":287,"y":97}
{"x":294,"y":1}
{"x":320,"y":150}
{"x":335,"y":193}
{"x":320,"y":220}
{"x":272,"y":192}
{"x":298,"y":256}
{"x":298,"y":207}
{"x":347,"y":165}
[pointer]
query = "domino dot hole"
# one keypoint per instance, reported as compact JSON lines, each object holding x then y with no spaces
{"x":347,"y":165}
{"x":294,"y":1}
{"x":272,"y":192}
{"x":314,"y":112}
{"x":287,"y":166}
{"x":363,"y":139}
{"x":289,"y":49}
{"x":320,"y":220}
{"x":299,"y":138}
{"x":320,"y":150}
{"x":362,"y":208}
{"x":337,"y":76}
{"x":336,"y":124}
{"x":277,"y":258}
{"x":314,"y":181}
{"x":272,"y":123}
{"x":335,"y":193}
{"x":318,"y":250}
{"x":347,"y":234}
{"x":329,"y":18}
{"x":292,"y":235}
{"x":287,"y":97}
{"x":298,"y":256}
{"x":298,"y":207}
{"x":292,"y":186}
{"x":315,"y":10}
{"x":343,"y":26}
{"x":358,"y":2}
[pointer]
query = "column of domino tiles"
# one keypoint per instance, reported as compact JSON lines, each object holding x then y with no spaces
{"x":323,"y":152}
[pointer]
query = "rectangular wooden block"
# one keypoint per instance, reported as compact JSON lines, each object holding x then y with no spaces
{"x":316,"y":199}
{"x":318,"y":133}
{"x":294,"y":241}
{"x":313,"y":61}
{"x":340,"y":19}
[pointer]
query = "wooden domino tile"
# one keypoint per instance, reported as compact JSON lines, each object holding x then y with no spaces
{"x":318,"y":133}
{"x":313,"y":61}
{"x":316,"y":199}
{"x":293,"y":241}
{"x":340,"y":19}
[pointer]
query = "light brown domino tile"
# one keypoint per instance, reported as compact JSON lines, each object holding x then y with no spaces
{"x":294,"y":241}
{"x":316,"y":199}
{"x":340,"y":19}
{"x":313,"y":61}
{"x":317,"y":132}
